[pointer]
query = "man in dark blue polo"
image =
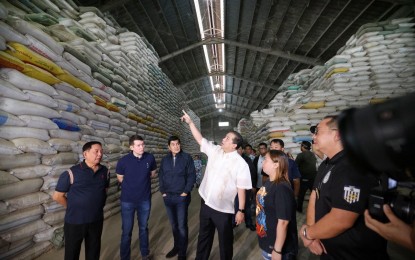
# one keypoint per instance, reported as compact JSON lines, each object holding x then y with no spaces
{"x":82,"y":190}
{"x":134,"y":172}
{"x":177,"y":175}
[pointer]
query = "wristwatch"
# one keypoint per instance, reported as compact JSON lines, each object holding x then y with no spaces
{"x":241,"y":210}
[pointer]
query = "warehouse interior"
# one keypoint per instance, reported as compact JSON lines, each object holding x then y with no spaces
{"x":73,"y":71}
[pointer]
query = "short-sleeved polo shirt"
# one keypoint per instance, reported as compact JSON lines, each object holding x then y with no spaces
{"x":86,"y":195}
{"x":136,"y":185}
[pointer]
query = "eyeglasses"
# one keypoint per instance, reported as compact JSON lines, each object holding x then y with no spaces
{"x":316,"y":131}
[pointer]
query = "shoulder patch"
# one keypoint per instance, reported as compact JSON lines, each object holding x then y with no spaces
{"x":351,"y":194}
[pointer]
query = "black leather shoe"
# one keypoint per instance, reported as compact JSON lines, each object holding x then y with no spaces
{"x":172,"y":253}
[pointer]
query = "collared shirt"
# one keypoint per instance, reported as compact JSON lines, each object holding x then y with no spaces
{"x":225,"y":173}
{"x":86,"y":195}
{"x":136,"y":185}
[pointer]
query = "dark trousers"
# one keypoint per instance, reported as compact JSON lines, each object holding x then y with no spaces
{"x":210,"y":220}
{"x":75,"y":234}
{"x":177,"y":208}
{"x":306,"y":184}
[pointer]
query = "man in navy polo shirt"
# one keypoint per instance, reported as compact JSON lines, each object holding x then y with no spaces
{"x":85,"y":186}
{"x":177,"y":175}
{"x":134,"y":172}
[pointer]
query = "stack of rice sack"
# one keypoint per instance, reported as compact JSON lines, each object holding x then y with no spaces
{"x":60,"y":88}
{"x":377,"y":63}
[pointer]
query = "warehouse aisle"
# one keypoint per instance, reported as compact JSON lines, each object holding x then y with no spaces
{"x":161,"y":240}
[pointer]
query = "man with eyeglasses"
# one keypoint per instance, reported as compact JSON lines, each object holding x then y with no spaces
{"x":258,"y":164}
{"x":335,"y":227}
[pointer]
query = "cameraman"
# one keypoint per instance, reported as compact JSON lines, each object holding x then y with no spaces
{"x":396,"y":230}
{"x":335,"y":225}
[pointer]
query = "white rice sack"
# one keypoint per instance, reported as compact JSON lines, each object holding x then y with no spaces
{"x":305,"y":111}
{"x":65,"y":87}
{"x":87,"y":130}
{"x":57,"y":170}
{"x":7,"y":178}
{"x":97,"y":124}
{"x":77,"y":63}
{"x":77,"y":146}
{"x":10,"y":91}
{"x":88,"y":98}
{"x":8,"y":148}
{"x":22,"y":81}
{"x":53,"y":205}
{"x":118,"y":130}
{"x":34,"y":171}
{"x":319,"y":115}
{"x":53,"y":218}
{"x":44,"y":235}
{"x":20,"y":188}
{"x":18,"y":107}
{"x":64,"y":134}
{"x":303,"y":132}
{"x":288,"y":123}
{"x":67,"y":106}
{"x":40,"y":48}
{"x":89,"y":138}
{"x":336,"y":103}
{"x":40,"y":98}
{"x":99,"y":110}
{"x":60,"y":144}
{"x":23,"y":231}
{"x":28,"y":200}
{"x":13,"y":132}
{"x":11,"y":35}
{"x":33,"y":145}
{"x":87,"y":114}
{"x":112,"y":147}
{"x":290,"y":134}
{"x":66,"y":65}
{"x":113,"y":141}
{"x":10,"y":120}
{"x":71,"y":98}
{"x":20,"y":217}
{"x":60,"y":158}
{"x":74,"y":118}
{"x":38,"y":122}
{"x":101,"y":133}
{"x":49,"y":182}
{"x":25,"y":27}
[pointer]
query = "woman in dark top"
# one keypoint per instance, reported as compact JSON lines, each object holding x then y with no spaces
{"x":276,"y":221}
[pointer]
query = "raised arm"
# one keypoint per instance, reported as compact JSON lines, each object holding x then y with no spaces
{"x":195,"y":132}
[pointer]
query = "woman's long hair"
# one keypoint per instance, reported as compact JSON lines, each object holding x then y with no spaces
{"x":282,"y":170}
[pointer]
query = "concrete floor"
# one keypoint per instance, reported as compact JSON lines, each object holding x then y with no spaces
{"x":161,"y":240}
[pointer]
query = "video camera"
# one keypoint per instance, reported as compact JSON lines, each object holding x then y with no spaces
{"x":381,"y":138}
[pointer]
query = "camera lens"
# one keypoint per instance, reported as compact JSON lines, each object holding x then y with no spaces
{"x":382,"y":136}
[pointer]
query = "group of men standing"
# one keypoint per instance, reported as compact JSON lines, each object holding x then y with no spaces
{"x":334,"y":227}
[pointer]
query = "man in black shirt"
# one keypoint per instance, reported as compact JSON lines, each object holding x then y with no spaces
{"x":306,"y":162}
{"x":335,"y":226}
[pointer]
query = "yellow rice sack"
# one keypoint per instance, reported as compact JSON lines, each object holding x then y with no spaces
{"x":100,"y":101}
{"x":27,"y":55}
{"x":40,"y":74}
{"x":112,"y":107}
{"x":315,"y":105}
{"x":77,"y":83}
{"x":275,"y":135}
{"x":8,"y":61}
